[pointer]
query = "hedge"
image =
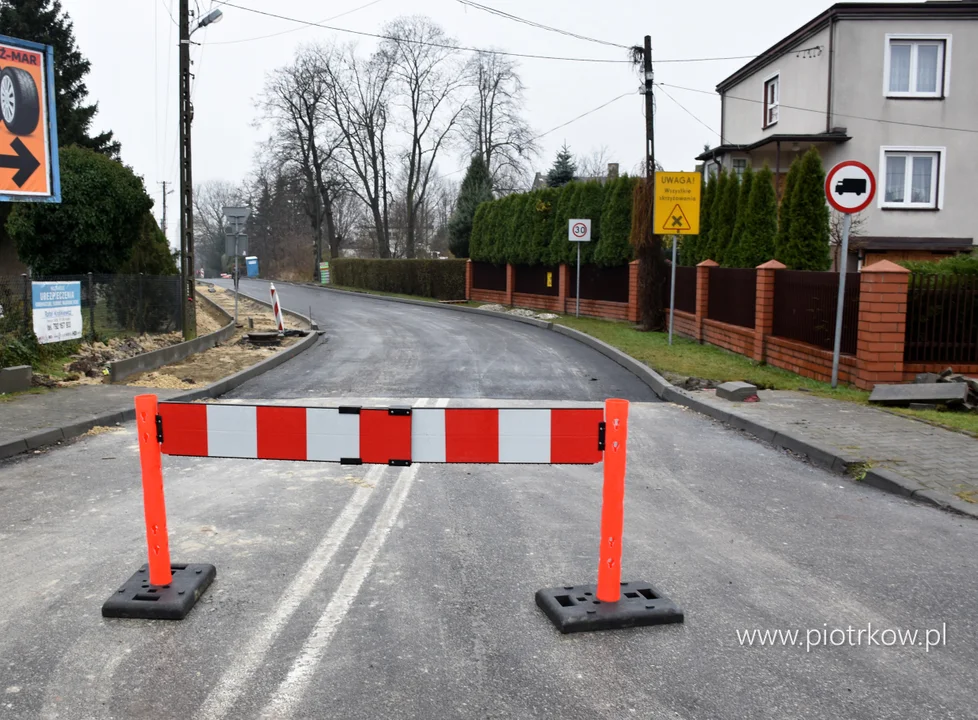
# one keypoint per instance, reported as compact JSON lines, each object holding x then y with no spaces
{"x":439,"y":279}
{"x":531,"y":228}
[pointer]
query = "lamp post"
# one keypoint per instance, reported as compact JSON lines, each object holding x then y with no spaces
{"x":187,"y":268}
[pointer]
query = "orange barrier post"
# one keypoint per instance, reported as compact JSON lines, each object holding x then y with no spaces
{"x":151,"y":460}
{"x":613,"y":501}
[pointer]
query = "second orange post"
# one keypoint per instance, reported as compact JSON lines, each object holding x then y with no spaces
{"x":613,"y":501}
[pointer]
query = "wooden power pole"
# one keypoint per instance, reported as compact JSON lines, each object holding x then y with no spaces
{"x":652,"y":266}
{"x":186,"y":180}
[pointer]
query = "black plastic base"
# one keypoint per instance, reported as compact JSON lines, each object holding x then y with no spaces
{"x":574,"y":608}
{"x":138,"y":599}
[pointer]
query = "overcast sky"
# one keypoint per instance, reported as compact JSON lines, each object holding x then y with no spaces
{"x":132,"y":45}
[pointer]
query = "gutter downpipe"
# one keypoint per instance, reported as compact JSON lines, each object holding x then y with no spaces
{"x":828,"y":104}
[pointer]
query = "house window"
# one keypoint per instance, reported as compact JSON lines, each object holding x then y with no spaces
{"x":772,"y":98}
{"x":915,"y":66}
{"x":739,"y":166}
{"x":912,"y":178}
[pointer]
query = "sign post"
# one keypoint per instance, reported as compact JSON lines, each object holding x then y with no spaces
{"x":29,"y":169}
{"x":579,"y":231}
{"x":236,"y":243}
{"x":676,"y":212}
{"x":845,"y":186}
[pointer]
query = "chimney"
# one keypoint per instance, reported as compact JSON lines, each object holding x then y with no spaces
{"x":612,"y":171}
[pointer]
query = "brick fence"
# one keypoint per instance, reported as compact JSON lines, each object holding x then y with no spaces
{"x":561,"y":303}
{"x":879,"y":356}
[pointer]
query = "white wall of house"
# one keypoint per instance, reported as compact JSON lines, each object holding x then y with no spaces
{"x":861,"y":89}
{"x":803,"y":83}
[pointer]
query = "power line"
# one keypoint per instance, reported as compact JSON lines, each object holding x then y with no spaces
{"x":444,"y":46}
{"x":531,"y":23}
{"x":168,"y":12}
{"x":822,"y":111}
{"x":292,"y":30}
{"x":689,"y":112}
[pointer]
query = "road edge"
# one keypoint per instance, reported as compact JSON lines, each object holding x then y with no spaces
{"x":827,"y":458}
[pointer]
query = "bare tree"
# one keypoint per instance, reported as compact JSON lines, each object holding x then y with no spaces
{"x":360,"y":102}
{"x":594,"y":165}
{"x":210,"y":199}
{"x":428,"y":81}
{"x":296,"y":99}
{"x":493,"y":124}
{"x":856,"y":229}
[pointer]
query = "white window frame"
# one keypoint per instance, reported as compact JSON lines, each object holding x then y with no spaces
{"x":944,"y":76}
{"x":764,"y":106}
{"x":938,"y":177}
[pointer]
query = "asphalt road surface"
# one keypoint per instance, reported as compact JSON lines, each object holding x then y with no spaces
{"x":379,"y":348}
{"x":408,"y":592}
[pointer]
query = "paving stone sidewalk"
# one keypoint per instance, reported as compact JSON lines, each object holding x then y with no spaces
{"x":29,"y":415}
{"x":938,"y":459}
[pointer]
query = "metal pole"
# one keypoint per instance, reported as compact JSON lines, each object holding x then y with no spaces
{"x":236,"y":276}
{"x":186,"y":181}
{"x":27,"y":304}
{"x":91,"y":306}
{"x":843,"y":262}
{"x":672,"y":288}
{"x":578,"y":313}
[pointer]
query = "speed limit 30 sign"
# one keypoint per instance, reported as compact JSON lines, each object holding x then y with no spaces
{"x":850,"y":187}
{"x":579,"y":230}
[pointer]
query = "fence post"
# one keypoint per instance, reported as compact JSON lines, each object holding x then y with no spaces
{"x":764,"y":306}
{"x":563,"y":282}
{"x":468,"y":279}
{"x":702,"y":295}
{"x":883,"y":289}
{"x":633,"y":309}
{"x":510,"y":284}
{"x":27,"y":308}
{"x":91,"y":305}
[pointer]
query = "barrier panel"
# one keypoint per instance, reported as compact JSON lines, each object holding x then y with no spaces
{"x":394,"y":436}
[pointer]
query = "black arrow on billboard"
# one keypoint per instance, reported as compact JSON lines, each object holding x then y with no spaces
{"x":23,"y":162}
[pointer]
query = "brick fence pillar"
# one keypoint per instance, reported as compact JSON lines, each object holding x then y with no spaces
{"x":468,"y":279}
{"x":563,"y":287}
{"x":883,"y":291}
{"x":633,"y":308}
{"x":702,"y":295}
{"x":510,"y":284}
{"x":764,"y":306}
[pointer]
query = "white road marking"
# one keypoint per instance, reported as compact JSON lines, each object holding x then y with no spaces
{"x":221,"y":699}
{"x":290,"y":692}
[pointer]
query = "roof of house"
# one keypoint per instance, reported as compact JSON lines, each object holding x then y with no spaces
{"x":967,"y":9}
{"x":833,"y":137}
{"x":936,"y":244}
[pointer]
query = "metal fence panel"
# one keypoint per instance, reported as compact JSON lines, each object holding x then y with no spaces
{"x":685,"y":288}
{"x":533,"y":279}
{"x":942,"y":319}
{"x":733,"y":296}
{"x":609,"y":284}
{"x":805,"y":305}
{"x":486,"y":276}
{"x":112,"y":305}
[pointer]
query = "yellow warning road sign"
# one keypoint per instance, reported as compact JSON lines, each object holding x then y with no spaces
{"x":677,"y":203}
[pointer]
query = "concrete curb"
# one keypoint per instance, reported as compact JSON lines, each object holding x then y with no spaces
{"x":121,"y":369}
{"x":55,"y":435}
{"x":827,"y":458}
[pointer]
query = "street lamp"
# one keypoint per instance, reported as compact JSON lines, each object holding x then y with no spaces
{"x":187,"y":267}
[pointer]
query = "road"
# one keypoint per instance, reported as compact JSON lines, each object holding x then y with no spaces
{"x":389,"y":349}
{"x":364,"y":593}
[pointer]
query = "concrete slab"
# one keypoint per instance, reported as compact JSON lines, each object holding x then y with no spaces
{"x":15,"y":379}
{"x":943,"y":393}
{"x":736,"y":391}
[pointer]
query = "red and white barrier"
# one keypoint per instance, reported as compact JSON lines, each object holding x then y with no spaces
{"x":277,"y":308}
{"x":387,"y":436}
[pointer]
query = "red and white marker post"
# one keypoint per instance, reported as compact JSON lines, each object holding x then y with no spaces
{"x":849,"y":187}
{"x":277,"y":309}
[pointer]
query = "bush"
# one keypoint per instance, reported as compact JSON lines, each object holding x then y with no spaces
{"x":477,"y":240}
{"x":692,"y":248}
{"x":957,"y":265}
{"x":760,"y":221}
{"x":613,"y":248}
{"x":808,"y":236}
{"x":560,"y":249}
{"x":439,"y":279}
{"x":734,"y":256}
{"x":784,"y":212}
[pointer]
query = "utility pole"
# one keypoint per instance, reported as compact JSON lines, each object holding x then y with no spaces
{"x":165,"y":193}
{"x":652,"y":261}
{"x":186,"y":179}
{"x":649,"y":115}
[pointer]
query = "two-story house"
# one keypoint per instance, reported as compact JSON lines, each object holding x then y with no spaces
{"x":893,"y":85}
